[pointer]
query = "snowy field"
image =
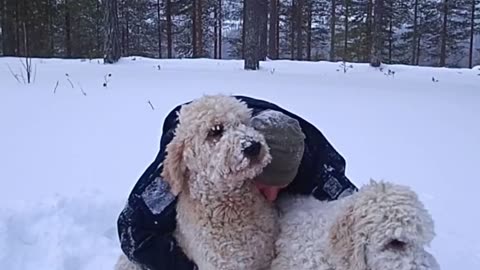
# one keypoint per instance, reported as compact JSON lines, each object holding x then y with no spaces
{"x":71,"y":148}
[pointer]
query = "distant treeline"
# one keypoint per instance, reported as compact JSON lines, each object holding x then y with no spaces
{"x":414,"y":32}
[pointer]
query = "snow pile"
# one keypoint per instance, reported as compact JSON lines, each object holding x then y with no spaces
{"x":75,"y":141}
{"x":60,"y":233}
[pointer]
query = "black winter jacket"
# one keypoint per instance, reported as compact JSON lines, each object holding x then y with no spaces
{"x":146,"y":223}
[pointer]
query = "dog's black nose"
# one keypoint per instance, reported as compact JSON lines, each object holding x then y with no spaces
{"x":252,"y":150}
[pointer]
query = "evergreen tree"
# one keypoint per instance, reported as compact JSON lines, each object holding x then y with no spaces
{"x":416,"y":32}
{"x":333,"y":24}
{"x":474,"y":22}
{"x":454,"y":30}
{"x":112,"y":36}
{"x":234,"y":21}
{"x":252,"y":26}
{"x":168,"y":15}
{"x":377,"y":33}
{"x":273,"y":30}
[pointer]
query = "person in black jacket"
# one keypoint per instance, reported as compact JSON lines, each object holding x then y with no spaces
{"x":309,"y":165}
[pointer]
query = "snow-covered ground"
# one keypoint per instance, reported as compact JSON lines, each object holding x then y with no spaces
{"x":71,"y":148}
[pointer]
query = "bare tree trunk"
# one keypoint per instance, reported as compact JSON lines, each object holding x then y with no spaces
{"x":6,"y":25}
{"x":159,"y":29}
{"x":112,"y":52}
{"x":272,"y":35}
{"x":49,"y":14}
{"x":333,"y":22}
{"x":378,"y":13}
{"x":169,"y":27}
{"x":194,"y":29}
{"x":390,"y":38}
{"x":252,"y":35}
{"x":277,"y":52}
{"x":215,"y":32}
{"x":419,"y":43}
{"x":299,"y":9}
{"x":345,"y":45}
{"x":137,"y":41}
{"x":472,"y":33}
{"x":25,"y":30}
{"x":28,"y":60}
{"x":220,"y":22}
{"x":292,"y":33}
{"x":2,"y":23}
{"x":415,"y":32}
{"x":124,"y":30}
{"x":200,"y":28}
{"x":368,"y":34}
{"x":309,"y":32}
{"x":127,"y":30}
{"x":443,"y":46}
{"x":8,"y":28}
{"x":197,"y":29}
{"x":244,"y":19}
{"x":10,"y":36}
{"x":17,"y":26}
{"x":263,"y":18}
{"x":68,"y":30}
{"x":98,"y":30}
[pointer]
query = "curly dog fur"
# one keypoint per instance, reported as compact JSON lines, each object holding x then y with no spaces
{"x":381,"y":227}
{"x":223,"y":221}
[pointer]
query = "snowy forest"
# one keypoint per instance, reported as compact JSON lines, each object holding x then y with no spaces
{"x":440,"y":33}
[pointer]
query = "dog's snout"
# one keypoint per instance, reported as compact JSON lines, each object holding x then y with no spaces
{"x":252,"y":150}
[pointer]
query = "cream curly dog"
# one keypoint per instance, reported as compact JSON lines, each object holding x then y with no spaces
{"x":223,"y":221}
{"x":383,"y":226}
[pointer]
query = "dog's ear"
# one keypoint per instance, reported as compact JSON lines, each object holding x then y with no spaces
{"x":174,"y":169}
{"x":348,"y":245}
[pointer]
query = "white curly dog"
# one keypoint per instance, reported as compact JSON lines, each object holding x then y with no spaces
{"x":383,"y":226}
{"x":223,"y":221}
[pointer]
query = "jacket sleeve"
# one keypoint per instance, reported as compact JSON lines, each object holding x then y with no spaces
{"x":146,"y":224}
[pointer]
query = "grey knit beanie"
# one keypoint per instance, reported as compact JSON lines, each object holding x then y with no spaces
{"x":286,"y":140}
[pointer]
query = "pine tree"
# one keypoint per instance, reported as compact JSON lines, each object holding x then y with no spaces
{"x":333,"y":22}
{"x":159,"y":28}
{"x":415,"y":34}
{"x":9,"y":28}
{"x":168,"y":15}
{"x":273,"y":30}
{"x":293,"y":16}
{"x":309,"y":10}
{"x":298,"y":19}
{"x":2,"y":24}
{"x":454,"y":29}
{"x":252,"y":35}
{"x":474,"y":17}
{"x":345,"y":29}
{"x":263,"y":20}
{"x":197,"y":29}
{"x":112,"y":39}
{"x":218,"y":22}
{"x":317,"y":28}
{"x":425,"y":32}
{"x":377,"y":33}
{"x":234,"y":12}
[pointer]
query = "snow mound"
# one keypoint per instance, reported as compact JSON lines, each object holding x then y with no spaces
{"x":87,"y":131}
{"x":60,"y":233}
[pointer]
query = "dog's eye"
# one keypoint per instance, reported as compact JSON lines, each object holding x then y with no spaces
{"x":216,"y":131}
{"x":396,"y":245}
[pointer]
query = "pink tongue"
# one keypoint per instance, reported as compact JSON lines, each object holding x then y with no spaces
{"x":270,"y":193}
